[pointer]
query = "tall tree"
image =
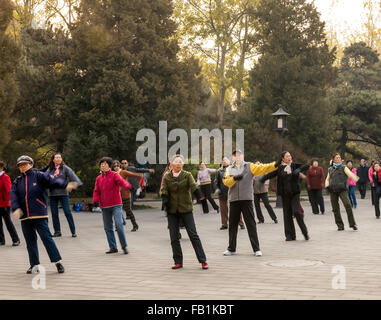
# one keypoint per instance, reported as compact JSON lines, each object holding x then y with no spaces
{"x":356,"y":99}
{"x":294,"y":69}
{"x":9,"y":57}
{"x":218,"y":31}
{"x":124,"y":75}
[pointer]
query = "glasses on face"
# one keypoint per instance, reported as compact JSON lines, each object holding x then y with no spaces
{"x":124,"y":162}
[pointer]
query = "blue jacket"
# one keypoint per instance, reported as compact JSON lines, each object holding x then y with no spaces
{"x":29,"y":193}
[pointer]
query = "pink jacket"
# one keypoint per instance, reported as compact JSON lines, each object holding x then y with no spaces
{"x":370,"y":174}
{"x":352,"y":182}
{"x":107,"y":189}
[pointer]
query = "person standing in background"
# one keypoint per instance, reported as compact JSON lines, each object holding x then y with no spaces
{"x":205,"y":182}
{"x":377,"y":186}
{"x":352,"y":185}
{"x":315,"y":185}
{"x":126,"y":194}
{"x":5,"y":207}
{"x":222,"y":192}
{"x":58,"y":169}
{"x":372,"y":185}
{"x":337,"y":185}
{"x":362,"y":172}
{"x":261,"y":193}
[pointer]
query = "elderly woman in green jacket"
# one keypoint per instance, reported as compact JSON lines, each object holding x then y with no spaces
{"x":176,"y":192}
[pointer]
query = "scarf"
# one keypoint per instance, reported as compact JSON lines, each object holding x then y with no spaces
{"x":57,"y":172}
{"x":1,"y":173}
{"x":336,"y":165}
{"x":287,"y":168}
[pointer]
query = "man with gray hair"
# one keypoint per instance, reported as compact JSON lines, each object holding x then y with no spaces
{"x":239,"y":178}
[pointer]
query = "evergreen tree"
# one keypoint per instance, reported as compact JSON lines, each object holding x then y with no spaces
{"x":9,"y":57}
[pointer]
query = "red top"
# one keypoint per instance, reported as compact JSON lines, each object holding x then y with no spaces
{"x":315,"y":178}
{"x":5,"y":191}
{"x":107,"y":189}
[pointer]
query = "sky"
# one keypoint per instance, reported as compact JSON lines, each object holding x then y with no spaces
{"x":346,"y":15}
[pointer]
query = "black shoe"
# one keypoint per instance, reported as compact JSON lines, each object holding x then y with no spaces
{"x":340,"y":228}
{"x":354,"y":227}
{"x":322,"y":212}
{"x":290,"y":239}
{"x":135,"y":228}
{"x":124,"y":222}
{"x":125,"y":251}
{"x":242,"y":227}
{"x":276,"y":221}
{"x":2,"y":243}
{"x":113,"y":250}
{"x":16,"y":243}
{"x":306,"y":236}
{"x":223,"y":227}
{"x":316,"y":213}
{"x":57,"y":234}
{"x":60,"y":267}
{"x":74,"y":235}
{"x":377,"y":217}
{"x":30,"y":270}
{"x":259,"y":222}
{"x":218,"y":210}
{"x":206,"y":212}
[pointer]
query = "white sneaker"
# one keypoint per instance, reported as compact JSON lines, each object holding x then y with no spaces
{"x":258,"y":254}
{"x":229,"y":253}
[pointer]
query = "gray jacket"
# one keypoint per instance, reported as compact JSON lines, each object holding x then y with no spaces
{"x":67,"y":174}
{"x":259,"y":187}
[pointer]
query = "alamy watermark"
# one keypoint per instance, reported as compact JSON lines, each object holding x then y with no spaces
{"x":339,"y":281}
{"x":39,"y":280}
{"x":222,"y":144}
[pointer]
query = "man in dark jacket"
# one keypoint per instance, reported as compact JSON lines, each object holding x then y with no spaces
{"x":362,"y":173}
{"x":222,"y":192}
{"x":29,"y":204}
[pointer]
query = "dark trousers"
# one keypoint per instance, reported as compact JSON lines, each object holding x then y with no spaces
{"x":377,"y":203}
{"x":206,"y":190}
{"x":129,"y":213}
{"x":362,"y":189}
{"x":174,"y":220}
{"x":291,"y":204}
{"x":5,"y":213}
{"x":55,"y":213}
{"x":317,"y":200}
{"x":30,"y":228}
{"x":225,"y":213}
{"x":373,"y":194}
{"x":246,"y":208}
{"x":336,"y":208}
{"x":265,"y":199}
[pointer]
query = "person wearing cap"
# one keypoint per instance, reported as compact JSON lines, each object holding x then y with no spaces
{"x":29,"y":204}
{"x":176,"y":191}
{"x":107,"y":194}
{"x":239,"y":178}
{"x":5,"y":207}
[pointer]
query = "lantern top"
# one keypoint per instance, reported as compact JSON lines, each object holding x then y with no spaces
{"x":280,"y":112}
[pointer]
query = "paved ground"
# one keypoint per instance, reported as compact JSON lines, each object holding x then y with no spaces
{"x":145,"y":273}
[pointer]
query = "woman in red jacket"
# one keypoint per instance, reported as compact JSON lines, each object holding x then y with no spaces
{"x":5,"y":205}
{"x":107,"y":194}
{"x":315,"y":185}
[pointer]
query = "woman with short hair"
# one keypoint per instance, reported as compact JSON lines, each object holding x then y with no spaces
{"x":58,"y":169}
{"x":337,"y":185}
{"x":176,"y":191}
